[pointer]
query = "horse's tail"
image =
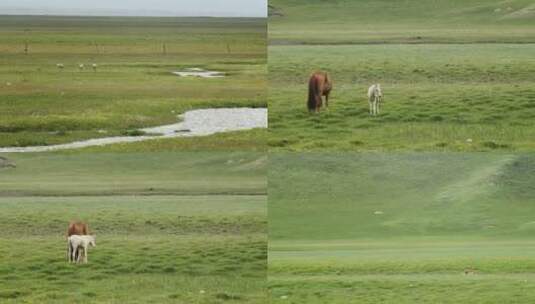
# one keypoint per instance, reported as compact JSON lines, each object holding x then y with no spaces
{"x":312,"y":93}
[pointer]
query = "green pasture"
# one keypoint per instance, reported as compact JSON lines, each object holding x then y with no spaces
{"x":133,"y":86}
{"x":436,"y":97}
{"x":456,"y":75}
{"x":401,"y":228}
{"x":474,"y":97}
{"x":170,"y":227}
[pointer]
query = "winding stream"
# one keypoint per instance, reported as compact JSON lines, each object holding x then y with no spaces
{"x":193,"y":123}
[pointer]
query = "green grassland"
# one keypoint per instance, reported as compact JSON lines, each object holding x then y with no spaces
{"x":170,"y":227}
{"x":133,"y":86}
{"x":401,"y":228}
{"x":470,"y":95}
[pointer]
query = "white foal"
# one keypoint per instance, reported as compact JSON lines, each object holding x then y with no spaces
{"x":77,"y":243}
{"x":375,"y":98}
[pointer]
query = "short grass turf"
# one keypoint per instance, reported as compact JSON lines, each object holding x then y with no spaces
{"x":401,"y":228}
{"x":464,"y":84}
{"x":155,"y":244}
{"x":133,"y":86}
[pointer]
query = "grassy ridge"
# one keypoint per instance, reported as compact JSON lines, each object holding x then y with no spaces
{"x":155,"y":243}
{"x":74,"y":174}
{"x":400,"y":21}
{"x":351,"y":225}
{"x":133,"y":86}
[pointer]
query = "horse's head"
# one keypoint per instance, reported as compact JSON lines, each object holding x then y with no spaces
{"x":379,"y":92}
{"x":92,"y":241}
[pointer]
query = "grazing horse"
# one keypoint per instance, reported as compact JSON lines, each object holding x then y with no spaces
{"x":77,"y":243}
{"x":76,"y":228}
{"x":375,"y":98}
{"x":319,"y":85}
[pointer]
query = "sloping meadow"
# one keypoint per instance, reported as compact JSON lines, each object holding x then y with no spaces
{"x":404,"y":227}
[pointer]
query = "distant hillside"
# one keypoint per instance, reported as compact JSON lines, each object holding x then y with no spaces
{"x":274,"y":11}
{"x":348,"y":21}
{"x":348,"y":196}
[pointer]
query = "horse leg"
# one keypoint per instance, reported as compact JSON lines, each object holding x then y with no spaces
{"x":73,"y":255}
{"x":378,"y":105}
{"x":76,"y":255}
{"x":85,"y":254}
{"x":371,"y":107}
{"x":327,"y":100}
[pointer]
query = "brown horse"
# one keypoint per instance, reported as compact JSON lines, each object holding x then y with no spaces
{"x":319,"y":85}
{"x":77,"y":228}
